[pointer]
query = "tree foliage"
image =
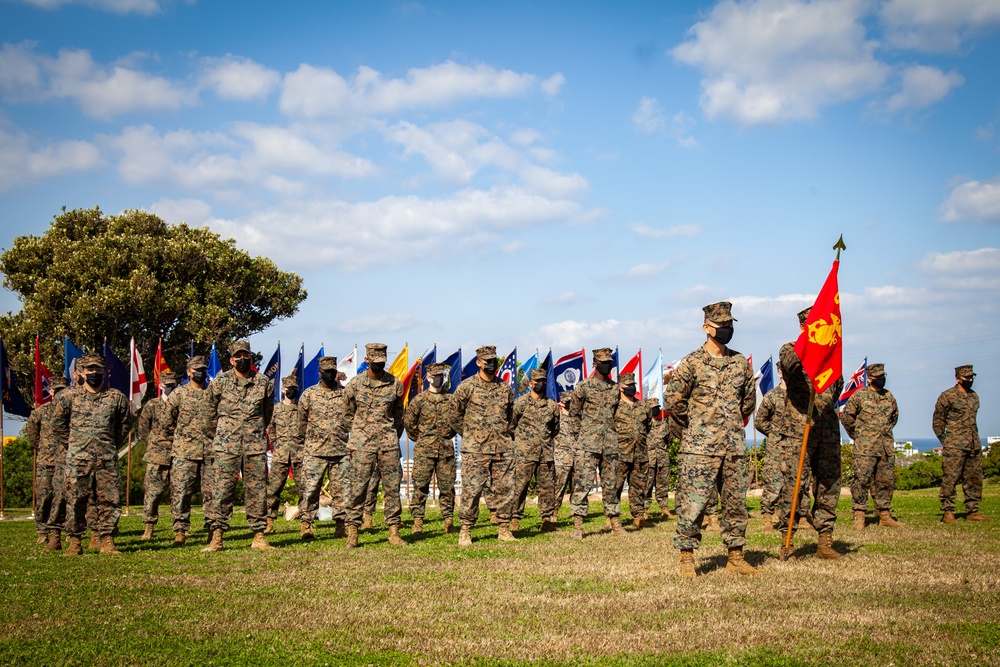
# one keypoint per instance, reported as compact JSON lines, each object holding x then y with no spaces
{"x":91,"y":276}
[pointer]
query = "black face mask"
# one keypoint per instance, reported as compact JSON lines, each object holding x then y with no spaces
{"x":95,"y":379}
{"x":291,"y":394}
{"x":168,"y":389}
{"x":242,"y":365}
{"x":437,"y":381}
{"x":199,"y":377}
{"x":329,"y":378}
{"x":967,"y":385}
{"x":604,"y":367}
{"x":377,"y":367}
{"x":539,"y":388}
{"x":723,"y":334}
{"x":629,"y":391}
{"x":490,"y":367}
{"x":879,"y":382}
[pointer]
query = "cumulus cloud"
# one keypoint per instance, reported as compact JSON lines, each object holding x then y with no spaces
{"x":380,"y":324}
{"x":314,"y":92}
{"x":564,"y":299}
{"x":922,"y":86}
{"x":194,"y":212}
{"x":145,"y":7}
{"x":936,"y":26}
{"x":236,"y":78}
{"x":24,"y":161}
{"x":649,"y":116}
{"x":644,"y":231}
{"x":647,"y":271}
{"x":973,"y":200}
{"x":964,"y":270}
{"x":769,"y":61}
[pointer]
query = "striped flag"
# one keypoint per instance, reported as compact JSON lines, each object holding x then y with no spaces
{"x":857,"y":381}
{"x":138,"y":378}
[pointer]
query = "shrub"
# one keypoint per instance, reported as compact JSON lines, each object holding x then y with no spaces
{"x":920,"y":474}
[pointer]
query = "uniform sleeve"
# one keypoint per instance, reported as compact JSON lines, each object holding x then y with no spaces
{"x":268,"y":402}
{"x":350,"y":401}
{"x":214,"y":397}
{"x":173,"y":409}
{"x":34,"y":427}
{"x":517,"y":414}
{"x":575,"y":409}
{"x":940,"y":415}
{"x":894,"y":413}
{"x":677,"y":393}
{"x":459,"y":402}
{"x":849,"y":417}
{"x":762,"y":422}
{"x":411,"y":418}
{"x":124,"y":424}
{"x":146,"y":420}
{"x":397,"y":410}
{"x":749,"y":401}
{"x":554,"y":419}
{"x":305,"y":405}
{"x":510,"y":412}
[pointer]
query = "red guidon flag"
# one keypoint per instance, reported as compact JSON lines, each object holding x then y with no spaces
{"x":159,"y":366}
{"x":820,"y":345}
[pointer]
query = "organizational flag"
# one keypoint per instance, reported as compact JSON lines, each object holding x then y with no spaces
{"x":272,"y":371}
{"x":116,"y":375}
{"x":764,"y":379}
{"x":430,"y":357}
{"x":454,"y":364}
{"x":508,"y":370}
{"x":411,"y":382}
{"x":43,"y":392}
{"x":299,"y":368}
{"x":470,"y":369}
{"x":310,"y":374}
{"x":12,"y":400}
{"x":820,"y":345}
{"x":652,"y":380}
{"x":634,"y":365}
{"x":401,"y":364}
{"x":547,"y":361}
{"x":70,"y":354}
{"x":214,"y":365}
{"x":566,"y":373}
{"x":528,"y":366}
{"x":857,"y":381}
{"x":137,"y":378}
{"x":160,"y":366}
{"x":348,"y":364}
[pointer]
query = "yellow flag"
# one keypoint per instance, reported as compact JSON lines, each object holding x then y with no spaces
{"x":401,"y":365}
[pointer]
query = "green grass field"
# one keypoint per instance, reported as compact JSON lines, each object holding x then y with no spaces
{"x":926,"y":594}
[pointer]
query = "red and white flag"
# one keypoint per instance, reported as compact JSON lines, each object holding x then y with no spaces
{"x":634,"y":365}
{"x":138,"y":384}
{"x":43,"y":392}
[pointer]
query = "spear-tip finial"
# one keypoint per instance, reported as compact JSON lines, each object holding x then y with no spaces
{"x":839,"y":245}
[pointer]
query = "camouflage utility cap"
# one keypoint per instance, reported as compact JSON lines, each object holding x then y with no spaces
{"x":653,"y":403}
{"x":290,"y":381}
{"x":720,"y":313}
{"x":804,"y":315}
{"x":239,"y":346}
{"x":964,"y":371}
{"x":328,"y":363}
{"x":58,"y":382}
{"x":538,"y":374}
{"x":603,"y":354}
{"x":168,"y":377}
{"x":196,"y":362}
{"x":565,"y":396}
{"x":91,"y":361}
{"x":486,"y":353}
{"x":626,"y":378}
{"x":875,"y":370}
{"x":375,"y":351}
{"x":437,"y":369}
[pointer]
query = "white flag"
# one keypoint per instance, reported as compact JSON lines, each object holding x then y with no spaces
{"x":348,"y":364}
{"x":138,"y":384}
{"x":652,"y":380}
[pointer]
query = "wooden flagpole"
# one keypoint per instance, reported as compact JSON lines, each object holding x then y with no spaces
{"x":786,"y":550}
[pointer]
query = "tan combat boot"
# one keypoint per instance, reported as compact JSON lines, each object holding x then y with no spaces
{"x":148,"y":533}
{"x":180,"y":537}
{"x":805,"y":523}
{"x":418,"y":526}
{"x":577,"y":533}
{"x":515,"y":525}
{"x":448,"y":524}
{"x":767,"y":522}
{"x":737,"y":564}
{"x":260,"y":542}
{"x":352,"y":537}
{"x":687,"y":564}
{"x":215,"y":541}
{"x":712,"y":523}
{"x":616,"y":526}
{"x":95,"y":541}
{"x":108,"y":546}
{"x":42,"y":538}
{"x":549,"y":524}
{"x":54,"y":543}
{"x":885,"y":519}
{"x":504,"y":534}
{"x":637,"y":523}
{"x":395,"y":540}
{"x":949,"y":518}
{"x":644,"y":521}
{"x":859,"y":519}
{"x":976,"y":516}
{"x":269,"y":527}
{"x":607,"y":522}
{"x":366,"y":522}
{"x":340,"y":531}
{"x":306,"y":531}
{"x":465,"y":536}
{"x":75,"y":547}
{"x":493,"y":518}
{"x":824,"y":547}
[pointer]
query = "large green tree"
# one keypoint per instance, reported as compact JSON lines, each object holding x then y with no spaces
{"x":91,"y":276}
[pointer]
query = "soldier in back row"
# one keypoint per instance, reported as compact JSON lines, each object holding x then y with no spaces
{"x":428,"y":424}
{"x":632,"y":427}
{"x":286,"y":443}
{"x":50,"y":504}
{"x":962,"y":454}
{"x":535,"y":422}
{"x":156,"y":430}
{"x":566,"y":450}
{"x":783,"y":447}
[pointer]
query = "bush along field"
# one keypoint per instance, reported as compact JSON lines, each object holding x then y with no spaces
{"x":925,"y":594}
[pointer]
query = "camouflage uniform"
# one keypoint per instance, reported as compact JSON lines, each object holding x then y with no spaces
{"x":156,"y":429}
{"x":371,"y":499}
{"x":286,"y":442}
{"x":822,"y":450}
{"x":374,"y":414}
{"x":711,"y":397}
{"x":658,"y":468}
{"x":592,"y":422}
{"x":770,"y":409}
{"x":190,"y":411}
{"x":566,"y":450}
{"x":243,"y":408}
{"x":535,"y":422}
{"x":632,"y":422}
{"x":481,"y":413}
{"x":962,"y":458}
{"x":869,"y":417}
{"x":97,"y":426}
{"x":323,"y":431}
{"x":50,"y":505}
{"x":427,"y":422}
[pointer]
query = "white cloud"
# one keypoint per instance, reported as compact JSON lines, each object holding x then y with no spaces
{"x":973,"y":200}
{"x":964,"y":270}
{"x":649,"y":116}
{"x":644,"y":231}
{"x":194,"y":212}
{"x":937,"y":25}
{"x":23,"y":162}
{"x":564,"y":299}
{"x":923,"y":86}
{"x":646,"y":271}
{"x":235,"y":78}
{"x":573,"y":334}
{"x":552,"y":85}
{"x":318,"y":91}
{"x":145,"y":7}
{"x":380,"y":324}
{"x":769,"y":61}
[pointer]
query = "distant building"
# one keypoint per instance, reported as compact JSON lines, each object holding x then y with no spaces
{"x":904,"y":447}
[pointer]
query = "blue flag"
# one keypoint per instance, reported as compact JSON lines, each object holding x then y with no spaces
{"x":565,"y":374}
{"x":13,"y":401}
{"x":470,"y":369}
{"x":454,"y":363}
{"x":547,"y":361}
{"x":214,"y":365}
{"x":508,"y":370}
{"x":116,"y":375}
{"x":766,"y":376}
{"x":272,"y":371}
{"x":310,"y":374}
{"x":528,"y":366}
{"x":428,"y":359}
{"x":70,"y":354}
{"x":300,"y":365}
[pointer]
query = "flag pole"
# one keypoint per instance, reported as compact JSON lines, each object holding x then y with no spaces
{"x":785,"y":552}
{"x":753,"y":427}
{"x":1,"y":465}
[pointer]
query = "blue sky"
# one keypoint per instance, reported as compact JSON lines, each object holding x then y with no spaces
{"x":558,"y":174}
